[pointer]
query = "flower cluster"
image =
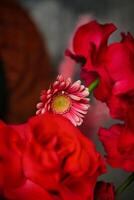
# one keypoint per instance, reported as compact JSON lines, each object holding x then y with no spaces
{"x":113,"y":65}
{"x":47,"y":158}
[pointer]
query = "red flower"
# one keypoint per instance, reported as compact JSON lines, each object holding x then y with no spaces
{"x":10,"y":158}
{"x":91,"y":37}
{"x":113,"y":63}
{"x":60,"y":159}
{"x":28,"y":191}
{"x":104,"y":191}
{"x":120,"y":57}
{"x":121,"y":103}
{"x":122,"y":107}
{"x":47,"y":158}
{"x":90,"y":44}
{"x":118,"y":142}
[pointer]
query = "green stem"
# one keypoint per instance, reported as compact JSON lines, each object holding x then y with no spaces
{"x":125,"y":184}
{"x":93,"y":85}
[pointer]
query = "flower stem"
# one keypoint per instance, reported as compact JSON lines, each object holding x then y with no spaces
{"x":125,"y":184}
{"x":93,"y":85}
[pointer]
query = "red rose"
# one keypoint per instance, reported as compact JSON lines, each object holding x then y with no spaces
{"x":118,"y":142}
{"x":13,"y":183}
{"x":47,"y":158}
{"x":28,"y":191}
{"x":104,"y":191}
{"x":60,"y":159}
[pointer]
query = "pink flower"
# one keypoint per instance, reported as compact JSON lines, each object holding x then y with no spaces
{"x":65,"y":98}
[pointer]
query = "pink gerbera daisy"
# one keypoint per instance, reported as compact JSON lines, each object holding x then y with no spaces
{"x":65,"y":98}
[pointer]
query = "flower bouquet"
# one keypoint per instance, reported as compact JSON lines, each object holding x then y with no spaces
{"x":48,"y":157}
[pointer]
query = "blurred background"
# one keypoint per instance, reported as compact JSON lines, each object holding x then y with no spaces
{"x":56,"y":19}
{"x":33,"y":37}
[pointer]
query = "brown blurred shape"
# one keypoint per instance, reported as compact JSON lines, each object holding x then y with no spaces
{"x":25,"y":58}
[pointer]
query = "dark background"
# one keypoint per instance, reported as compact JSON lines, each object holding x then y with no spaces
{"x":57,"y":18}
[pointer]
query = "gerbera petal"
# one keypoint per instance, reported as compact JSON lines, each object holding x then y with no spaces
{"x":81,"y":106}
{"x":56,"y":83}
{"x":43,"y":111}
{"x":75,"y":116}
{"x":80,"y":122}
{"x":48,"y":96}
{"x":48,"y":91}
{"x":75,"y":86}
{"x":68,"y":82}
{"x":82,"y":87}
{"x":69,"y":116}
{"x":38,"y":112}
{"x":84,"y":93}
{"x":79,"y":110}
{"x":77,"y":113}
{"x":74,"y":97}
{"x":85,"y":100}
{"x":60,"y":78}
{"x":39,"y":105}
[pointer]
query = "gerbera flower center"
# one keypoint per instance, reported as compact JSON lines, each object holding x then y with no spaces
{"x":61,"y":104}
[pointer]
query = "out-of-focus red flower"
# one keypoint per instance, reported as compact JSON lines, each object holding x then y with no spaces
{"x":91,"y":38}
{"x":112,"y":64}
{"x":10,"y":158}
{"x":47,"y":158}
{"x":104,"y":191}
{"x":121,"y":101}
{"x":28,"y":191}
{"x":89,"y":45}
{"x":122,"y":107}
{"x":60,"y":159}
{"x":120,"y":61}
{"x":121,"y":56}
{"x":118,"y":142}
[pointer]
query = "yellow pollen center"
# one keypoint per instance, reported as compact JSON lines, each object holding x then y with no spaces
{"x":61,"y":104}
